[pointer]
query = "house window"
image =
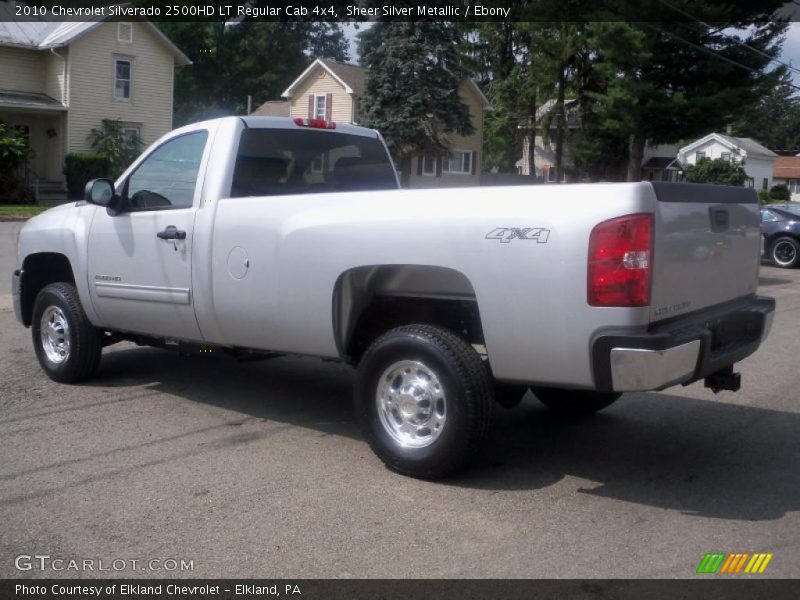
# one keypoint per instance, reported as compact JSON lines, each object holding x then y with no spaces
{"x":320,"y":106}
{"x":459,"y":162}
{"x":125,"y":33}
{"x":131,"y":132}
{"x":429,"y":165}
{"x":765,"y":183}
{"x":750,"y":182}
{"x":699,"y":155}
{"x":793,"y":185}
{"x":726,"y":156}
{"x":122,"y":79}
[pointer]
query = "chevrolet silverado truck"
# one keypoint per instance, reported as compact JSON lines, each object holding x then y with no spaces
{"x":265,"y":237}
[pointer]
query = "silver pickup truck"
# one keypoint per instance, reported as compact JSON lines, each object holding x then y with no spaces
{"x":261,"y":237}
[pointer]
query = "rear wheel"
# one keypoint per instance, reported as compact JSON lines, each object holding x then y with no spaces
{"x":574,"y":402}
{"x":785,"y":252}
{"x":424,"y":400}
{"x":67,"y":345}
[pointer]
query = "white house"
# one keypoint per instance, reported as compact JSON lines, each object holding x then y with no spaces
{"x":755,"y":158}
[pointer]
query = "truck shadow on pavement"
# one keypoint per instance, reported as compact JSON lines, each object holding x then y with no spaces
{"x":706,"y":458}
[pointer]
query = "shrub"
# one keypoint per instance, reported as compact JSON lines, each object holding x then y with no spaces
{"x":779,"y":193}
{"x":719,"y":171}
{"x":14,"y":151}
{"x":111,"y":143}
{"x":81,"y":167}
{"x":14,"y":190}
{"x":763,"y":196}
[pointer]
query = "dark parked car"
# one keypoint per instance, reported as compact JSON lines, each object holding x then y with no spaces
{"x":780,"y":227}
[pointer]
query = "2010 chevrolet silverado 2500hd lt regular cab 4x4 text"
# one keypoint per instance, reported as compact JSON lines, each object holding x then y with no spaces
{"x":278,"y":236}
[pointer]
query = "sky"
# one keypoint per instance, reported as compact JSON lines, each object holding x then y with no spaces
{"x":791,"y":49}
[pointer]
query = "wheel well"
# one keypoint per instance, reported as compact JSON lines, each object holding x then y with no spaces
{"x":39,"y":270}
{"x":782,"y":234}
{"x":368,"y":301}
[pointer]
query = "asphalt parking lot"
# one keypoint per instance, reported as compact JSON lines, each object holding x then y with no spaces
{"x":258,"y":470}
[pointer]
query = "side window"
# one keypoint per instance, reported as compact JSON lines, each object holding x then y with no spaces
{"x":168,"y":176}
{"x":768,"y":216}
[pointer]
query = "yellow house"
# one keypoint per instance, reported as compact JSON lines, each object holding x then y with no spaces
{"x":58,"y":81}
{"x":331,"y":90}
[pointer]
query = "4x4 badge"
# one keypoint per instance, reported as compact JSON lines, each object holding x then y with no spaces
{"x":506,"y":234}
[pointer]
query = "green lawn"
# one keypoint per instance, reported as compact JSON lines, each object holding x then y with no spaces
{"x":20,"y":211}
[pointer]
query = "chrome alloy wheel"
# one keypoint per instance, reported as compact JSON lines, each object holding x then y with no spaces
{"x":411,"y":403}
{"x":54,"y":333}
{"x":784,"y":253}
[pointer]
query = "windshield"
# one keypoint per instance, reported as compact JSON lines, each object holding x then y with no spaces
{"x":795,"y":210}
{"x":273,"y":162}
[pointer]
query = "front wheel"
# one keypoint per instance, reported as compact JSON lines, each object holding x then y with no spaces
{"x":785,"y":252}
{"x":424,"y":400}
{"x":574,"y":402}
{"x":66,"y":343}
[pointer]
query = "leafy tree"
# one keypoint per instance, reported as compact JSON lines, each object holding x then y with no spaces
{"x":775,"y":119}
{"x":231,"y":61}
{"x":560,"y":46}
{"x":667,"y":80}
{"x":500,"y":55}
{"x":411,"y":89}
{"x":14,"y":149}
{"x":324,"y":40}
{"x":718,"y":171}
{"x":111,"y":143}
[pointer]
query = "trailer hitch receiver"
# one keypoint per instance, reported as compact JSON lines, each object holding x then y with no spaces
{"x":724,"y":379}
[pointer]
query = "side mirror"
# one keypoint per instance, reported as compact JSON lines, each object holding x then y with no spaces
{"x":101,"y":192}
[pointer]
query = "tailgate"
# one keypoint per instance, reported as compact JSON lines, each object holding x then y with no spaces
{"x":706,"y":247}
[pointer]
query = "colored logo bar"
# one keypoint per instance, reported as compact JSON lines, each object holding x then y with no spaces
{"x":734,"y":562}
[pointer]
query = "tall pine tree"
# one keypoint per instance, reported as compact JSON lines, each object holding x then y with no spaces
{"x":411,"y":90}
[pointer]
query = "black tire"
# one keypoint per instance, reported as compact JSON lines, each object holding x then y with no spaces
{"x":509,"y":395}
{"x":84,"y":341}
{"x":569,"y":403}
{"x":785,"y":252}
{"x":443,"y":361}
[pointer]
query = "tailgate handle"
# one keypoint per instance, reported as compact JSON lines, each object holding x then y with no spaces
{"x":720,"y":218}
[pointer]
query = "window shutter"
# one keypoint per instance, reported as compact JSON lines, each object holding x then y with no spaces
{"x":328,"y":107}
{"x":420,"y":160}
{"x":311,"y":106}
{"x":472,"y":162}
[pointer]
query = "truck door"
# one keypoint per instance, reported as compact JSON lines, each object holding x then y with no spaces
{"x":140,"y":259}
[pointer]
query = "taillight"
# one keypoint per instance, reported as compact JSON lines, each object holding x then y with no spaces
{"x":315,"y":123}
{"x":621,"y":261}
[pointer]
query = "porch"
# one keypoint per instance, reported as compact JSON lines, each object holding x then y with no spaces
{"x":42,"y":120}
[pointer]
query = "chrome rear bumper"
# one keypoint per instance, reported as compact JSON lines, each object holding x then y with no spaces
{"x":681,"y":350}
